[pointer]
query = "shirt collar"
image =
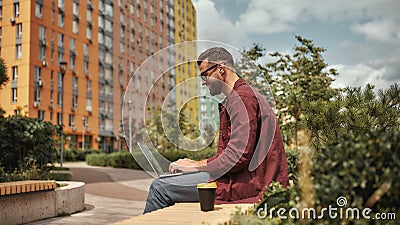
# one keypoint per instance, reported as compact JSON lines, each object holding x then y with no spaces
{"x":237,"y":84}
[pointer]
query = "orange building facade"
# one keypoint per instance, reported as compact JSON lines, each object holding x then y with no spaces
{"x":102,"y":41}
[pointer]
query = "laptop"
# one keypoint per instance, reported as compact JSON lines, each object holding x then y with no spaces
{"x":154,"y":164}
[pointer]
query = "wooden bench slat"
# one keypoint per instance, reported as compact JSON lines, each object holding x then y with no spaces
{"x":26,"y":186}
{"x":187,"y":213}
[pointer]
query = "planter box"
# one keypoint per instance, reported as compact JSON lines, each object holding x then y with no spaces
{"x":26,"y":207}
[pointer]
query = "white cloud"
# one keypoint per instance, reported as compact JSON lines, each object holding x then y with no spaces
{"x":382,"y":31}
{"x":214,"y":25}
{"x":374,"y":59}
{"x":265,"y":17}
{"x":359,"y":75}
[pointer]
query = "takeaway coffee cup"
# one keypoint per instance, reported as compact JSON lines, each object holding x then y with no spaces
{"x":207,"y":195}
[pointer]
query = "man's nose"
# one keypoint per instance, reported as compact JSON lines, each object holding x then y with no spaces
{"x":204,"y":82}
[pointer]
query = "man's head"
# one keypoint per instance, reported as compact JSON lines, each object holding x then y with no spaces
{"x":213,"y":65}
{"x":216,"y":55}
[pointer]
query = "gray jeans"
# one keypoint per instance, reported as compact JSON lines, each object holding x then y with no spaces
{"x":167,"y":191}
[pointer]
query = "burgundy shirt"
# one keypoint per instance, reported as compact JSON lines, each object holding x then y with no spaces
{"x":250,"y":150}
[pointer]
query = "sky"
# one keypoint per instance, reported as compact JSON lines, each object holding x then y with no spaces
{"x":361,"y":37}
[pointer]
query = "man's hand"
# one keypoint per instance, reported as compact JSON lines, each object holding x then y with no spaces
{"x":184,"y":165}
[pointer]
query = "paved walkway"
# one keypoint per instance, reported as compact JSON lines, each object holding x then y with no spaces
{"x":111,"y":195}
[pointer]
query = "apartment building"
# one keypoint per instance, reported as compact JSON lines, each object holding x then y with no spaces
{"x":185,"y":30}
{"x":102,"y":42}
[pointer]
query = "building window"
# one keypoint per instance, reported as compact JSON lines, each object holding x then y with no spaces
{"x":60,"y":40}
{"x":122,"y":47}
{"x":72,"y":61}
{"x":75,"y":26}
{"x":13,"y":95}
{"x":42,"y":33}
{"x":16,"y":9}
{"x":86,"y":50}
{"x":18,"y":52}
{"x":71,"y":120}
{"x":39,"y":10}
{"x":61,"y":4}
{"x":42,"y":46}
{"x":101,"y":21}
{"x":86,"y":66}
{"x":52,"y":47}
{"x":89,"y":104}
{"x":59,"y":98}
{"x":42,"y":52}
{"x":36,"y":95}
{"x":89,"y":33}
{"x":38,"y":73}
{"x":59,"y":122}
{"x":109,"y":58}
{"x":75,"y":8}
{"x":19,"y":31}
{"x":53,"y":12}
{"x":89,"y":87}
{"x":59,"y":81}
{"x":14,"y":73}
{"x":101,"y":5}
{"x":122,"y":19}
{"x":40,"y":114}
{"x":75,"y":101}
{"x":75,"y":83}
{"x":101,"y":38}
{"x":60,"y":56}
{"x":72,"y":53}
{"x":61,"y":20}
{"x":109,"y":9}
{"x":89,"y":15}
{"x":108,"y":26}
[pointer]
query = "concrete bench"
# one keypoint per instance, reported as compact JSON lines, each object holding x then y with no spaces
{"x":188,"y":214}
{"x":10,"y":188}
{"x":27,"y":201}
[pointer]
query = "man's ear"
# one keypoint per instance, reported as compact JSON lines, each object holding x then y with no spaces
{"x":221,"y":70}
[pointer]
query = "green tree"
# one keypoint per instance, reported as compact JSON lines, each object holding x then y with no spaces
{"x":355,"y":111}
{"x":171,"y":122}
{"x":295,"y":81}
{"x":3,"y":73}
{"x":26,"y":142}
{"x":299,"y":79}
{"x":3,"y":79}
{"x":255,"y":74}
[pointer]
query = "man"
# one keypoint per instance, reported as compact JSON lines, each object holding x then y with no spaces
{"x":250,"y":150}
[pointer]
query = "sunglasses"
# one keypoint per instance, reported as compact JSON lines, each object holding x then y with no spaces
{"x":203,"y":74}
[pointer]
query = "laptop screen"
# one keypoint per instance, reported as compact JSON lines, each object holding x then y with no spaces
{"x":155,"y":165}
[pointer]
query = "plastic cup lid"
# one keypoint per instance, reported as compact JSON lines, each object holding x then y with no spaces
{"x":207,"y":185}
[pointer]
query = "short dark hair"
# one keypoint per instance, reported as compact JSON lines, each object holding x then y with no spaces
{"x":216,"y":54}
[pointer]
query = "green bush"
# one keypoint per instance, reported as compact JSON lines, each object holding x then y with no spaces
{"x":34,"y":173}
{"x":75,"y":155}
{"x":101,"y":159}
{"x":123,"y":159}
{"x":362,"y":168}
{"x":292,"y":159}
{"x":175,"y":154}
{"x":26,"y":142}
{"x":59,"y":176}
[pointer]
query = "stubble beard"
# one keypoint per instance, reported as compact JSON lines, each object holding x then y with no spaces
{"x":215,"y":88}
